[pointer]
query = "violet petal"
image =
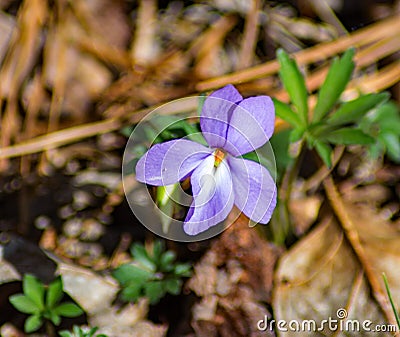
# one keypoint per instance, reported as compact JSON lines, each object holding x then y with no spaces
{"x":214,"y":119}
{"x":254,"y":188}
{"x":169,"y":162}
{"x":251,"y":125}
{"x":212,"y":196}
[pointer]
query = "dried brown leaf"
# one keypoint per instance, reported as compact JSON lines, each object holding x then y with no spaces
{"x":319,"y":276}
{"x":7,"y":271}
{"x":92,"y":292}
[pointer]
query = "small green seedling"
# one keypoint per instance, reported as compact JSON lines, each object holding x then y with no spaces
{"x":333,"y":122}
{"x":79,"y":332}
{"x":42,"y":303}
{"x":153,"y":273}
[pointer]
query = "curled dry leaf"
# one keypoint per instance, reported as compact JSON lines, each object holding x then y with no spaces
{"x":127,"y":322}
{"x":304,"y":211}
{"x":7,"y":272}
{"x":321,"y":275}
{"x":232,"y":280}
{"x":381,"y":242}
{"x":91,"y":291}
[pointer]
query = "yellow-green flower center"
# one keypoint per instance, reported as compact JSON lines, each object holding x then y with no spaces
{"x":218,"y":156}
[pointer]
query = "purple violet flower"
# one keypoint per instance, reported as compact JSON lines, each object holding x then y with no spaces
{"x":220,"y":178}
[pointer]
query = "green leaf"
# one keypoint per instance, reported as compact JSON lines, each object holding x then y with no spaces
{"x":92,"y":331}
{"x":24,"y":304}
{"x":154,"y":291}
{"x":183,"y":269}
{"x":392,"y":144}
{"x":347,"y":136}
{"x":132,"y":292}
{"x":56,"y":319}
{"x":158,"y":248}
{"x":167,"y":260}
{"x":353,"y":110}
{"x":294,"y":84}
{"x":129,"y":273}
{"x":34,"y":289}
{"x":280,"y":144}
{"x":335,"y":82}
{"x":296,"y":135}
{"x":324,"y":151}
{"x":54,"y":293}
{"x":173,"y":286}
{"x":388,"y":118}
{"x":284,"y":112}
{"x":77,"y":331}
{"x":141,"y":256}
{"x":33,"y":323}
{"x":65,"y":333}
{"x":68,"y":310}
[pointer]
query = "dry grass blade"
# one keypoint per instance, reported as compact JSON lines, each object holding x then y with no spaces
{"x":17,"y":64}
{"x":365,"y":36}
{"x":378,"y":40}
{"x":73,"y":134}
{"x":249,"y":39}
{"x":144,"y":49}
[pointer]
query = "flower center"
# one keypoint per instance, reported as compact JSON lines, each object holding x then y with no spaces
{"x":218,"y":156}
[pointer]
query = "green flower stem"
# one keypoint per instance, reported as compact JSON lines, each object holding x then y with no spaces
{"x":285,"y":227}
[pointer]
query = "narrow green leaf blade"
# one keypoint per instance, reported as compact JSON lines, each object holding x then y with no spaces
{"x":388,"y":118}
{"x":335,"y":82}
{"x":54,"y":293}
{"x":396,"y":314}
{"x":68,"y":310}
{"x":65,"y":333}
{"x":34,"y":289}
{"x":392,"y":144}
{"x":296,"y":135}
{"x":294,"y":84}
{"x":24,"y":304}
{"x":33,"y":323}
{"x":324,"y":151}
{"x":284,"y":112}
{"x":347,"y":136}
{"x":353,"y":110}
